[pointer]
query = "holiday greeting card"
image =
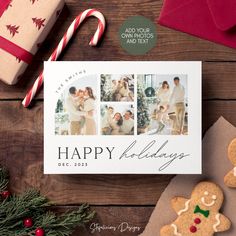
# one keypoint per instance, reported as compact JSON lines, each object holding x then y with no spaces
{"x":122,"y":117}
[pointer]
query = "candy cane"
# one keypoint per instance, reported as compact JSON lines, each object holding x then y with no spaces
{"x":64,"y":41}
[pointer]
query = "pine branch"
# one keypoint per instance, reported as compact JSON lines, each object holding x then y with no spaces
{"x":62,"y":225}
{"x":18,"y":207}
{"x":14,"y":209}
{"x":4,"y":179}
{"x":32,"y":204}
{"x":65,"y":224}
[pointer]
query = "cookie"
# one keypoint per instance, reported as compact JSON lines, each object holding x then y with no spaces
{"x":199,"y":215}
{"x":230,"y":178}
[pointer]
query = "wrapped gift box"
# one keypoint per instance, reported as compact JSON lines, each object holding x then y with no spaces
{"x":24,"y":24}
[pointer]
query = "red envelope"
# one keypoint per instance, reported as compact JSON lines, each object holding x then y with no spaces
{"x":214,"y":20}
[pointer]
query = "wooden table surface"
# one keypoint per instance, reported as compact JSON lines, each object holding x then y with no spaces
{"x":116,"y":198}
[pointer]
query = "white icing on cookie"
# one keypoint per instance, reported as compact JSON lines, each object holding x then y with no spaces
{"x":217,"y":222}
{"x":214,"y":197}
{"x":234,"y":171}
{"x":185,"y":209}
{"x":209,"y":204}
{"x":176,"y":230}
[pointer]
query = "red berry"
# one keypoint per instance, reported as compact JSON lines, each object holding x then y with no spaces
{"x":193,"y":229}
{"x":197,"y":221}
{"x":39,"y":232}
{"x":6,"y":194}
{"x":28,"y":223}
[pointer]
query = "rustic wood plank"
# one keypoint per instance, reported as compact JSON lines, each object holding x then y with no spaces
{"x":21,"y":131}
{"x":21,"y":149}
{"x":219,"y":82}
{"x":212,"y":110}
{"x":114,"y":221}
{"x":172,"y":45}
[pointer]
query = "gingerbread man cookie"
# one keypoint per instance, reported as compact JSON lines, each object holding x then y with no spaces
{"x":199,"y":215}
{"x":230,"y":178}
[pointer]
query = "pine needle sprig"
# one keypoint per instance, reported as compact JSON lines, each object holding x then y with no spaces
{"x":18,"y":207}
{"x":31,"y":204}
{"x":4,"y":179}
{"x":64,"y":225}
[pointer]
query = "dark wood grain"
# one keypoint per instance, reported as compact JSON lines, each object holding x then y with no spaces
{"x":116,"y":198}
{"x":113,"y":220}
{"x":219,"y":82}
{"x":171,"y":45}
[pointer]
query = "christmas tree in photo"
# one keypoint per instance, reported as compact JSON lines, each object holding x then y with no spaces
{"x":142,"y":110}
{"x":106,"y":94}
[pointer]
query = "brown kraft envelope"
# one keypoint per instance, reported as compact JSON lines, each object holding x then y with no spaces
{"x":215,"y":166}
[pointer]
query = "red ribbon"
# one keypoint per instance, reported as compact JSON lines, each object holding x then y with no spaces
{"x":9,"y":46}
{"x":15,"y":50}
{"x":3,"y":5}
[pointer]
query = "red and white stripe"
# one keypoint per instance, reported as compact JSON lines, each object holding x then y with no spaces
{"x":64,"y":41}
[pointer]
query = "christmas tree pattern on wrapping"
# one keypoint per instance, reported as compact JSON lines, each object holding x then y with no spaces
{"x":58,"y":12}
{"x":13,"y":29}
{"x":19,"y":76}
{"x":18,"y":59}
{"x":39,"y":44}
{"x":33,"y":1}
{"x":39,"y":22}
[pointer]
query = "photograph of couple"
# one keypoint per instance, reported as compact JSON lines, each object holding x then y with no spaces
{"x":164,"y":99}
{"x":117,"y":119}
{"x":117,"y":88}
{"x":76,"y":109}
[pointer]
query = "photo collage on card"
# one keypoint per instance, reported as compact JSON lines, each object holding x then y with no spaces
{"x":124,"y":104}
{"x":117,"y":105}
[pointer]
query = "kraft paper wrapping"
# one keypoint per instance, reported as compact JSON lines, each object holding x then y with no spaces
{"x":26,"y":23}
{"x":215,"y":166}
